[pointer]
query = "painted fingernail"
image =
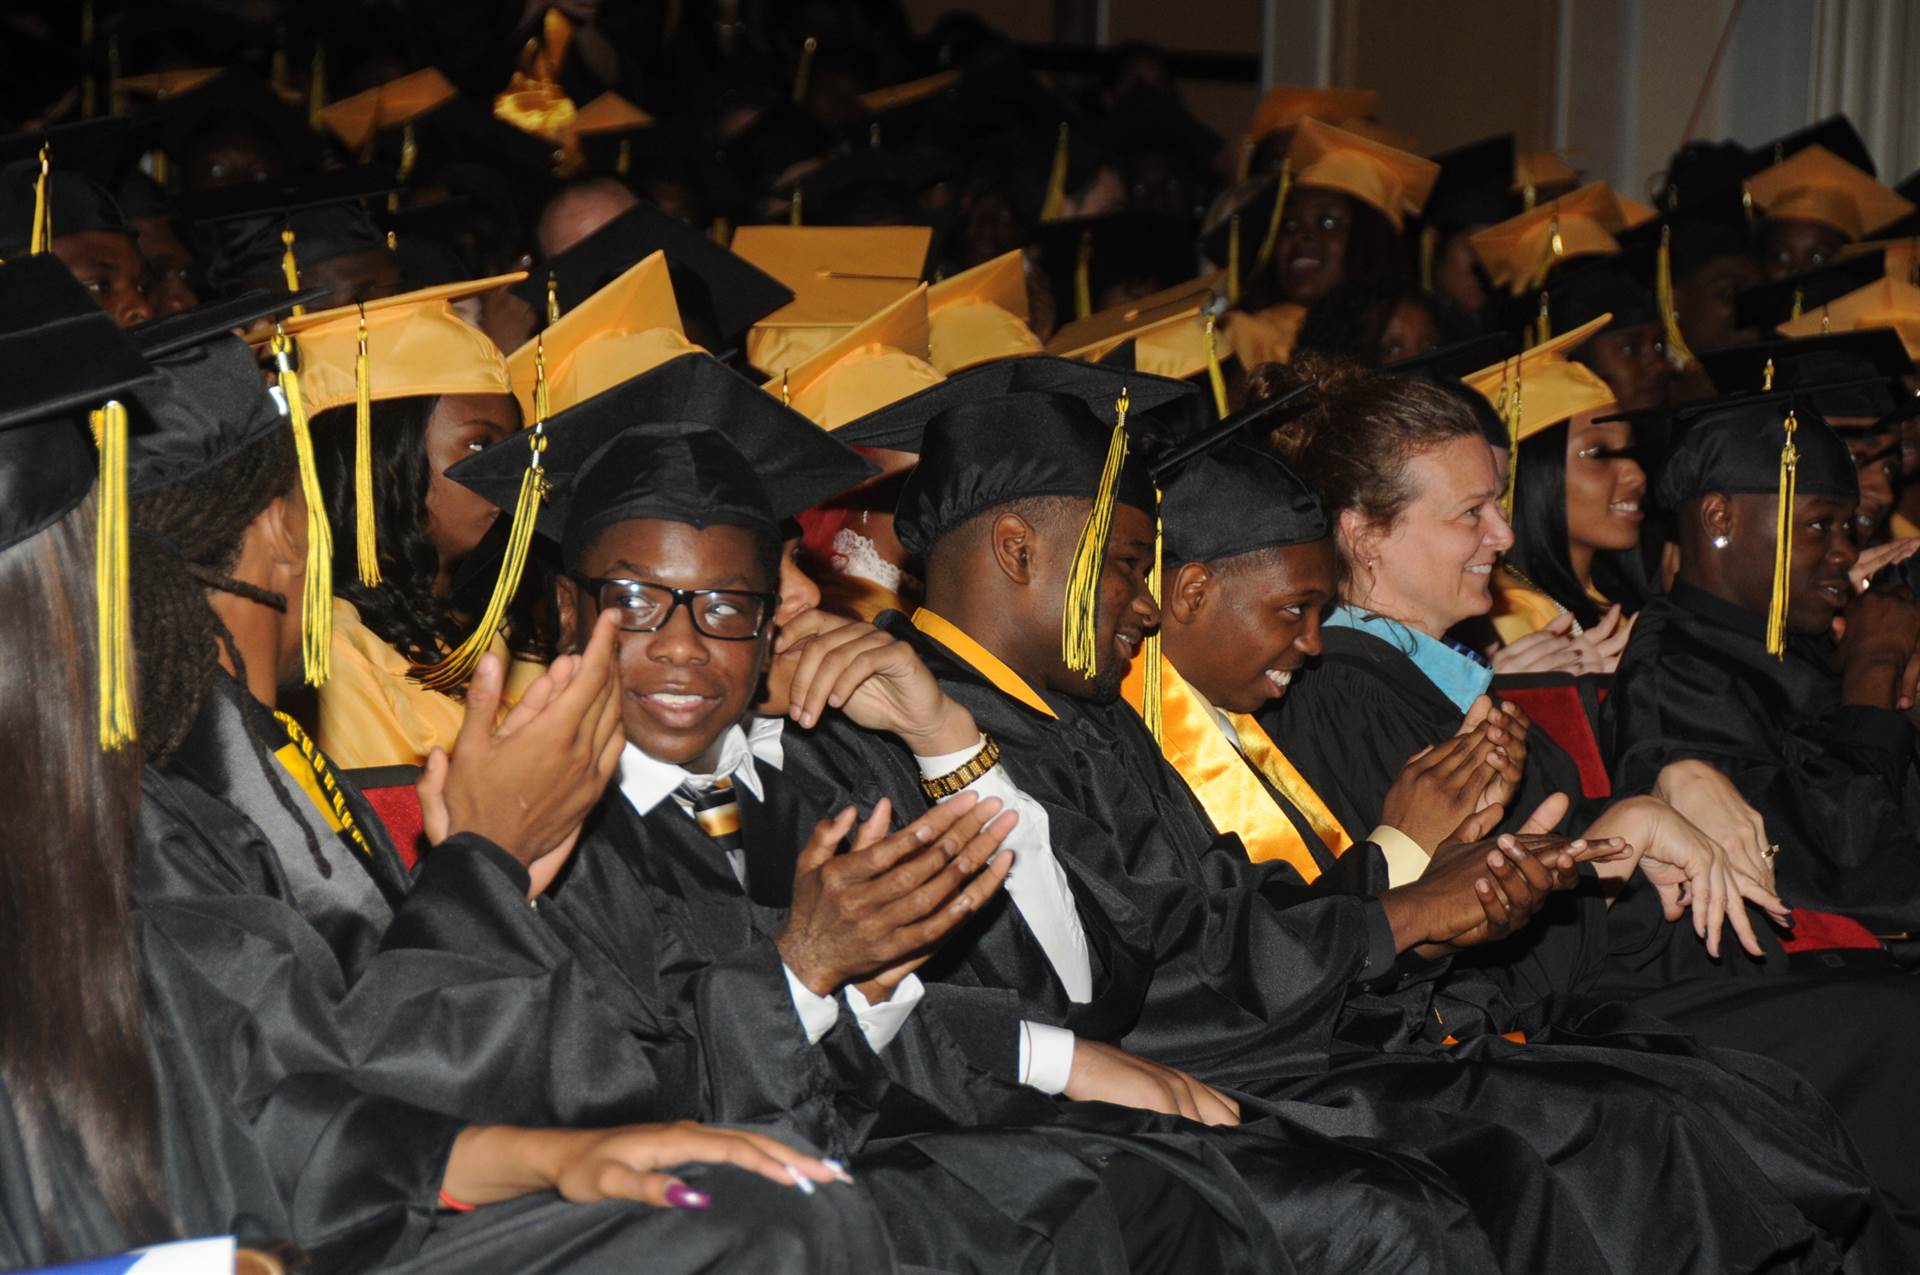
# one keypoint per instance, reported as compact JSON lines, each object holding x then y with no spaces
{"x":801,"y":1180}
{"x":682,"y":1196}
{"x":839,"y":1171}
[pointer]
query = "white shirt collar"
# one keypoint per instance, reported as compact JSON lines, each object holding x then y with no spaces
{"x":646,"y":782}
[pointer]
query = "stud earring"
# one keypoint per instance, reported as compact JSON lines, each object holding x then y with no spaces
{"x":1721,"y":542}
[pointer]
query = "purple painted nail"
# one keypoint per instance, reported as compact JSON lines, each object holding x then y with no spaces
{"x":682,"y":1196}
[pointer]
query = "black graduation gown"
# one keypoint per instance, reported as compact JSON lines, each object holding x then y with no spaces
{"x":1837,"y":784}
{"x":1578,"y":951}
{"x":1230,"y":970}
{"x":299,"y":1108}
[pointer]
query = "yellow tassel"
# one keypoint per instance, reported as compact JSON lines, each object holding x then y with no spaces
{"x":162,"y":170}
{"x":1663,"y":294}
{"x":1510,"y":393}
{"x":1215,"y":377}
{"x":803,"y":74}
{"x":1267,"y":245}
{"x":393,"y":242}
{"x":113,"y":597}
{"x":1429,"y":241}
{"x":1079,"y":639}
{"x":1055,"y":203}
{"x":1243,"y":167}
{"x":1150,"y":689}
{"x":1527,"y":198}
{"x":459,"y":664}
{"x":288,"y":266}
{"x":409,"y":154}
{"x":41,"y":236}
{"x":1746,"y":206}
{"x":316,"y":604}
{"x":1083,"y":277}
{"x":1783,"y":541}
{"x":721,"y":232}
{"x":364,"y":532}
{"x":1826,"y":321}
{"x":796,"y":211}
{"x":317,"y":88}
{"x":553,"y":300}
{"x":1766,"y":377}
{"x":1233,"y":260}
{"x":1799,"y":301}
{"x":623,"y":158}
{"x":786,"y":399}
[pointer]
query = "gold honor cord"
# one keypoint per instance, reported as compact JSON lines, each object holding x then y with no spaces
{"x":323,"y":775}
{"x":459,"y":664}
{"x":316,"y":602}
{"x":113,"y":598}
{"x":1789,"y":489}
{"x":41,"y":237}
{"x":1150,"y":682}
{"x":1663,"y":295}
{"x":364,"y":532}
{"x":1079,"y":637}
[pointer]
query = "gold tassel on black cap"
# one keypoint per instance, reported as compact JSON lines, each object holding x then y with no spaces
{"x":461,"y":661}
{"x":40,"y":237}
{"x":1216,"y":378}
{"x":316,"y":604}
{"x":317,"y":88}
{"x":1509,"y":409}
{"x":803,"y":74}
{"x":113,"y":597}
{"x":1429,"y":240}
{"x":1150,"y":675}
{"x":1079,"y":636}
{"x":1083,"y":277}
{"x":289,"y":266}
{"x":553,"y":299}
{"x":1272,"y":240}
{"x":1663,"y":295}
{"x":1789,"y":489}
{"x":363,"y":527}
{"x":1055,"y":203}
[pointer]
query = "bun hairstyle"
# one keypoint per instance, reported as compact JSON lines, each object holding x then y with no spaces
{"x":1353,"y":443}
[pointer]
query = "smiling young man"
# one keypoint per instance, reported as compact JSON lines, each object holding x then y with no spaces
{"x":1815,"y":733}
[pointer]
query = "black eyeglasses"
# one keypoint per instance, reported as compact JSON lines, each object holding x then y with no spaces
{"x":641,"y":606}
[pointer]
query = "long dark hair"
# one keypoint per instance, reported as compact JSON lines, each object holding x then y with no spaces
{"x":72,"y":1049}
{"x":1540,"y":537}
{"x":402,"y":610}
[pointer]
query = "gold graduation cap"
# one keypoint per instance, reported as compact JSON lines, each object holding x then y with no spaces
{"x":1901,"y":256}
{"x":1377,"y":132}
{"x":1174,"y":333}
{"x":1540,"y":387}
{"x":878,"y":362}
{"x":1519,"y":251}
{"x":839,"y":276}
{"x":980,"y":315}
{"x":629,"y":326}
{"x":406,"y":346}
{"x":1380,"y":176}
{"x":533,"y":100}
{"x":609,"y":113}
{"x":1888,"y":302}
{"x":1285,"y":105}
{"x":158,"y":86}
{"x":1535,"y":172}
{"x":1818,"y":186}
{"x":879,"y":101}
{"x":357,"y":120}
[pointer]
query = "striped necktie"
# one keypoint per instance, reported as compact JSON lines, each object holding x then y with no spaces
{"x":715,"y":810}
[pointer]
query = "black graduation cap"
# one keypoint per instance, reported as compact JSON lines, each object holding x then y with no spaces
{"x":64,"y":357}
{"x":1236,"y":496}
{"x":1603,"y":286}
{"x":900,"y":425}
{"x":464,"y":130}
{"x":1141,"y":252}
{"x":1475,"y":186}
{"x":788,"y":460}
{"x":76,"y":204}
{"x":1836,"y":133}
{"x":666,"y":151}
{"x":1766,"y":306}
{"x":1705,"y":180}
{"x":1251,"y":205}
{"x":1448,"y":367}
{"x":325,"y":211}
{"x":1698,"y":243}
{"x":104,"y":149}
{"x":985,"y":450}
{"x":780,"y":136}
{"x":158,"y":338}
{"x":236,"y":100}
{"x":209,"y":404}
{"x":1733,"y":446}
{"x":868,"y":187}
{"x":732,"y":293}
{"x":1148,"y":119}
{"x":1907,"y":227}
{"x":1841,"y":374}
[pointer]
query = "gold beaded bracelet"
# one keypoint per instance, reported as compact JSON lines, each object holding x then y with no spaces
{"x":940,"y":787}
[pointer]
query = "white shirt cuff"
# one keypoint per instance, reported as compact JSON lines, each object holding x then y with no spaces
{"x":817,"y":1013}
{"x":881,"y":1023}
{"x":1046,"y":1057}
{"x":947,"y":763}
{"x":1406,"y":860}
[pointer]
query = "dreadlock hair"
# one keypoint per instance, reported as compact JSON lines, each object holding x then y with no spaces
{"x":72,"y":1043}
{"x":187,"y":538}
{"x":402,"y":610}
